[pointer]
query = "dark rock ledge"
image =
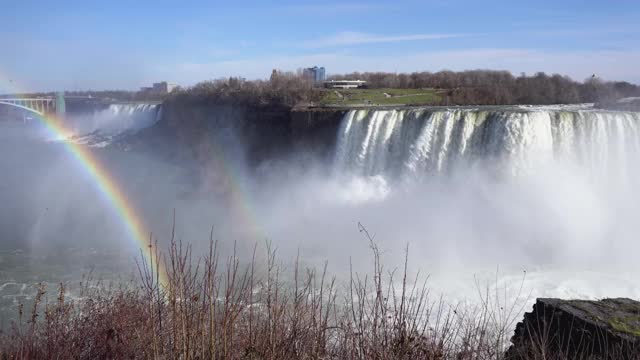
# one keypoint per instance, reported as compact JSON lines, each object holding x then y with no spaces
{"x":578,"y":329}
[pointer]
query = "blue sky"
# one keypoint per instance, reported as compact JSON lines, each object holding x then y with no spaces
{"x":126,"y":44}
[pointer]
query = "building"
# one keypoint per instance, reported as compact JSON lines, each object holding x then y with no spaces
{"x":345,"y":84}
{"x":163,"y":87}
{"x":315,"y":74}
{"x":160,"y":88}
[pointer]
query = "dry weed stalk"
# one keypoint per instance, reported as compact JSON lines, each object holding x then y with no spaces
{"x":221,"y":309}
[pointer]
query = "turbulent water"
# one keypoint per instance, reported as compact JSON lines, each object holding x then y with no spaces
{"x":550,"y":190}
{"x":100,"y":127}
{"x":421,"y":141}
{"x":54,"y":224}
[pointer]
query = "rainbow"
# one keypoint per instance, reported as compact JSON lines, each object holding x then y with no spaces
{"x":111,"y":191}
{"x":240,"y":204}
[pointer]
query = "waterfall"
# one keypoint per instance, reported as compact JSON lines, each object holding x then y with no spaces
{"x":116,"y":119}
{"x":101,"y":127}
{"x":424,"y":141}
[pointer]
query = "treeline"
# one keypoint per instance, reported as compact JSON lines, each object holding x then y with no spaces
{"x":488,"y":87}
{"x":474,"y":87}
{"x":282,"y":89}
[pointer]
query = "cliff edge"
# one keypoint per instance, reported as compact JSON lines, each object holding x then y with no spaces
{"x":579,"y":329}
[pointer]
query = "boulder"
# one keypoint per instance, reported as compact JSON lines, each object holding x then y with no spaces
{"x":578,"y":329}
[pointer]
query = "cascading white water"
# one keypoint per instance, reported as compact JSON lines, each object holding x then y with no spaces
{"x":423,"y":141}
{"x":116,"y":119}
{"x":100,"y":127}
{"x":551,"y":190}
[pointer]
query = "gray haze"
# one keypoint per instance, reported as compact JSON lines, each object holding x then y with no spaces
{"x":550,"y":191}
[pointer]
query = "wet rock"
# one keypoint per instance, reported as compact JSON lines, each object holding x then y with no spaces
{"x":579,"y":329}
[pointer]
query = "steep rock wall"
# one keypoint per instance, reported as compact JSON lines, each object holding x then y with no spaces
{"x":194,"y":131}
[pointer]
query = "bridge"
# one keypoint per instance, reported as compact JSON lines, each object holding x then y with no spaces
{"x":40,"y":106}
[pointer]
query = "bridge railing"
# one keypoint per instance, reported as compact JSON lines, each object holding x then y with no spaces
{"x":41,"y":105}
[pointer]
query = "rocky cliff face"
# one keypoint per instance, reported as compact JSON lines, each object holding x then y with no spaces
{"x":578,"y":329}
{"x":193,"y":132}
{"x":315,"y":130}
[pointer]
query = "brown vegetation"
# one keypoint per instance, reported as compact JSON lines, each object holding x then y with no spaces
{"x":215,"y":308}
{"x":282,"y":89}
{"x":488,"y":87}
{"x":476,"y":87}
{"x":472,"y":87}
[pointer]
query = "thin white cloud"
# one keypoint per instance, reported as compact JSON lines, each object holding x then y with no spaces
{"x":357,"y":38}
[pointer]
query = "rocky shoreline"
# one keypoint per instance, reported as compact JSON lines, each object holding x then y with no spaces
{"x":575,"y":329}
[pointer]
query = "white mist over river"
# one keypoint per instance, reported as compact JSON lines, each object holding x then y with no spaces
{"x":553,"y":191}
